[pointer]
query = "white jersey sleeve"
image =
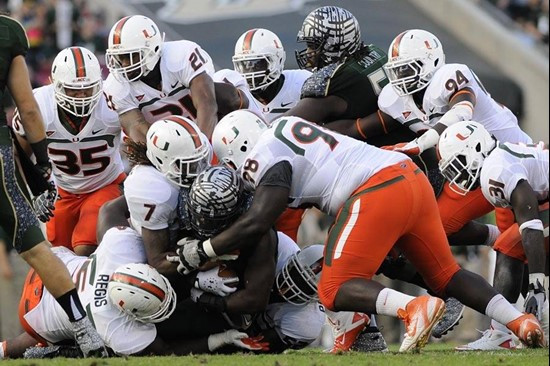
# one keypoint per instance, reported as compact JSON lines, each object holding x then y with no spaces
{"x":238,"y":81}
{"x":402,"y":109}
{"x":118,"y":95}
{"x":152,"y":199}
{"x":448,"y":80}
{"x":189,"y":61}
{"x":41,"y":95}
{"x":509,"y":164}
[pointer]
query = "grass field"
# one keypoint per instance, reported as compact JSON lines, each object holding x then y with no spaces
{"x":432,"y":355}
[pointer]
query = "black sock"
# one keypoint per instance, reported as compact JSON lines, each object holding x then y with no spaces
{"x":70,"y":302}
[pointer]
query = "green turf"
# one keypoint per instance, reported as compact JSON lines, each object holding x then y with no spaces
{"x":435,"y":354}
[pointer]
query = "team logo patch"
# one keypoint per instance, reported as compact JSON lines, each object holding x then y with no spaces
{"x":140,"y":97}
{"x":406,"y":114}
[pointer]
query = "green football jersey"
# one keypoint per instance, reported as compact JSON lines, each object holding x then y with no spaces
{"x":13,"y":42}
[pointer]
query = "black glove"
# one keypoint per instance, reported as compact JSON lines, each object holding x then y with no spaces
{"x":44,"y":204}
{"x":43,"y":165}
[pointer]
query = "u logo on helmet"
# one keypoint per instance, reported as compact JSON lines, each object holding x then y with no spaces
{"x":469,"y":127}
{"x":166,"y":144}
{"x":146,"y":34}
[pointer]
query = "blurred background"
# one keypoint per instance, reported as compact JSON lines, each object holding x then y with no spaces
{"x":504,"y":41}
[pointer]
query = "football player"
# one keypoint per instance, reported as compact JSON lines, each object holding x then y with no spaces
{"x":510,"y":176}
{"x":84,"y":139}
{"x":151,"y":79}
{"x":348,"y":75}
{"x":297,"y":163}
{"x":17,"y":217}
{"x":125,"y":298}
{"x":155,"y":190}
{"x":286,"y":313}
{"x":260,"y":58}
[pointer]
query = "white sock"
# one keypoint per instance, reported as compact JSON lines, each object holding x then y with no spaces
{"x":389,"y":301}
{"x":492,"y":236}
{"x":498,"y":326}
{"x":501,"y":310}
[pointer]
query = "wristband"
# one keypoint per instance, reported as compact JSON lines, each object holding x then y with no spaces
{"x":208,"y":250}
{"x":535,"y":224}
{"x":212,"y":302}
{"x":429,"y":139}
{"x":40,"y":150}
{"x":537,"y":277}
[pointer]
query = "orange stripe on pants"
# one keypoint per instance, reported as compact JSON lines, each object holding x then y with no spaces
{"x":395,"y":206}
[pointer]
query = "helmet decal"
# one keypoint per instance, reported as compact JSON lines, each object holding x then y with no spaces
{"x":146,"y":34}
{"x":396,"y":43}
{"x":248,"y":39}
{"x":182,"y":122}
{"x":166,"y":144}
{"x":79,"y":64}
{"x":139,"y":283}
{"x":118,"y":29}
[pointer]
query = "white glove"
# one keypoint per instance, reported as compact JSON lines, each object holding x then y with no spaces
{"x":236,"y":338}
{"x":210,"y":281}
{"x":188,"y":256}
{"x":44,"y":204}
{"x":534,"y":303}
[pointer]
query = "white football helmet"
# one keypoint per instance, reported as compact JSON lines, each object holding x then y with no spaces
{"x":463,"y":147}
{"x":138,"y":290}
{"x":259,"y":57}
{"x":235,"y":135}
{"x":414,"y":57}
{"x":178,"y":149}
{"x":76,"y":70}
{"x":135,"y":44}
{"x":297,"y":281}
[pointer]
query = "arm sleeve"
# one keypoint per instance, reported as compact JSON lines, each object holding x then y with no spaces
{"x":279,"y":175}
{"x":499,"y":183}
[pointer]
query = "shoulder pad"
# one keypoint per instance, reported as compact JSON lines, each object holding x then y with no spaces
{"x":317,"y":84}
{"x":176,"y":54}
{"x":115,"y":89}
{"x":231,"y":77}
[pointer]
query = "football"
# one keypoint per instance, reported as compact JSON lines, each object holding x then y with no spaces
{"x":224,"y":271}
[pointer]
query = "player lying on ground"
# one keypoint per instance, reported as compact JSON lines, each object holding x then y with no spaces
{"x":296,"y":163}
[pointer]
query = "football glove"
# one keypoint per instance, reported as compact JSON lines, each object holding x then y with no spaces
{"x":189,"y":256}
{"x":236,"y":338}
{"x":210,"y":281}
{"x":44,"y":204}
{"x":534,"y":303}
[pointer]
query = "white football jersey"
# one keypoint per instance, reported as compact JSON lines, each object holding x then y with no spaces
{"x":448,"y":79}
{"x":180,"y":63}
{"x":509,"y":163}
{"x":238,"y":81}
{"x":152,"y":199}
{"x":326,"y":166}
{"x":119,"y":331}
{"x":287,"y":97}
{"x":84,"y":162}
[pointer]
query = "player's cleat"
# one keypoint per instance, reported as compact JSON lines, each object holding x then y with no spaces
{"x":454,"y":310}
{"x":527,"y":328}
{"x":88,"y":339}
{"x":370,"y":340}
{"x":420,"y":316}
{"x":491,"y":340}
{"x":346,"y":327}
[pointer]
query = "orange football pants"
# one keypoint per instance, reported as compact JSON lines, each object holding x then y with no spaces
{"x":509,"y":242}
{"x":456,"y":210}
{"x":289,"y":222}
{"x":30,"y":298}
{"x":75,"y":215}
{"x":396,"y":206}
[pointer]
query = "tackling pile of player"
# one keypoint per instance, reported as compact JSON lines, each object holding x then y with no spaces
{"x":195,"y":257}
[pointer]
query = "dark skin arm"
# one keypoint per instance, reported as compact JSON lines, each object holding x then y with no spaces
{"x":319,"y":110}
{"x":111,"y":214}
{"x":204,"y":100}
{"x":268,"y":204}
{"x":373,"y":125}
{"x":525,"y":204}
{"x":134,"y":125}
{"x":229,"y":99}
{"x":17,"y":346}
{"x":156,"y":244}
{"x":258,"y":278}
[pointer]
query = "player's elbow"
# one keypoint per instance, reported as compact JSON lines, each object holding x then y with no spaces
{"x":30,"y":115}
